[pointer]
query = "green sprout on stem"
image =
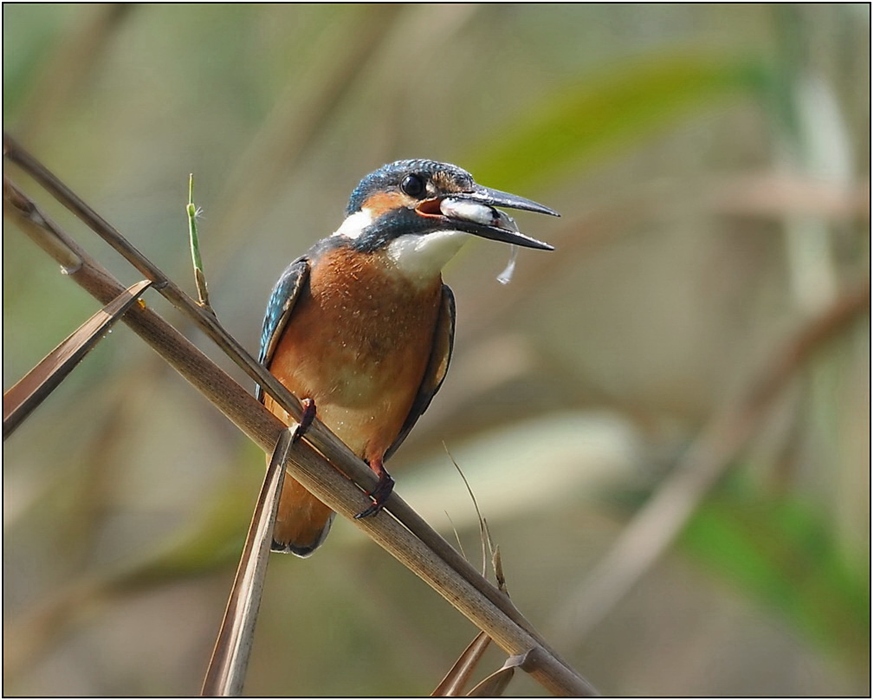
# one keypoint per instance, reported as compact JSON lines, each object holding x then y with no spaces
{"x":199,"y":276}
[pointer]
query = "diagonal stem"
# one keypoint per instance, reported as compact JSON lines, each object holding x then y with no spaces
{"x":233,"y":646}
{"x":38,"y":384}
{"x":206,"y":321}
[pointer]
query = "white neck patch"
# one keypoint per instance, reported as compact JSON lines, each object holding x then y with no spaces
{"x":355,"y":224}
{"x":420,"y":258}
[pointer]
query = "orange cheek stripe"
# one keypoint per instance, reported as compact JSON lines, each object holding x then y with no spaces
{"x":381,"y":202}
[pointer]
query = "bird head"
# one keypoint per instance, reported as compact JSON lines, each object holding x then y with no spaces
{"x":422,"y":211}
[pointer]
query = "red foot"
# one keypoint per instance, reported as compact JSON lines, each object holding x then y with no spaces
{"x":306,"y":418}
{"x":380,"y":494}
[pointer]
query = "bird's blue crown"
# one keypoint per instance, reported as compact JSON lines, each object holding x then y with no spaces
{"x":391,"y":175}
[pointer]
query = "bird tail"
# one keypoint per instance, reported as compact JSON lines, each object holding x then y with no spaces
{"x":302,"y":521}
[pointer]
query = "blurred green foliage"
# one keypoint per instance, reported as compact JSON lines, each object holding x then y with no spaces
{"x":600,"y":116}
{"x":784,"y":553}
{"x":701,"y":187}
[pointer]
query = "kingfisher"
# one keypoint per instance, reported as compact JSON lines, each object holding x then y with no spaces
{"x":362,"y":325}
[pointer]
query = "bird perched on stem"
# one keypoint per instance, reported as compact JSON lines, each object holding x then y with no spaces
{"x":362,"y":324}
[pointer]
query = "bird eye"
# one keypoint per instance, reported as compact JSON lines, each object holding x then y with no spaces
{"x":413,"y":185}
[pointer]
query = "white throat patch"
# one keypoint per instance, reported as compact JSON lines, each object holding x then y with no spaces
{"x":355,"y":224}
{"x":420,"y":258}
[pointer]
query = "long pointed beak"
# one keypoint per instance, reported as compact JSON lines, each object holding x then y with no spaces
{"x":474,"y":212}
{"x":496,"y":198}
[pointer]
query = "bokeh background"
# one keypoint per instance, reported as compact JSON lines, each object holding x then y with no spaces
{"x":711,"y":163}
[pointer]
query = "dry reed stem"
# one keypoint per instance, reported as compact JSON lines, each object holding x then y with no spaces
{"x":226,"y":673}
{"x":38,"y":384}
{"x":459,"y":675}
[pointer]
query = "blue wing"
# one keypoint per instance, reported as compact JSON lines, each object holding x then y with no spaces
{"x":279,"y":309}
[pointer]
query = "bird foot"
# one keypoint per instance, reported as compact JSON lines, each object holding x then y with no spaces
{"x":306,"y":418}
{"x":378,"y":495}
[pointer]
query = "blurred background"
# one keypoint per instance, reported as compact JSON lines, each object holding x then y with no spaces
{"x":711,"y":163}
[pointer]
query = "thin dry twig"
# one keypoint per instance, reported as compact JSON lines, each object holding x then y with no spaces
{"x":483,"y":533}
{"x":458,"y":676}
{"x":648,"y":536}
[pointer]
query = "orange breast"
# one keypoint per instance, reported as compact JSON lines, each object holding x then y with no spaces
{"x":358,"y":343}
